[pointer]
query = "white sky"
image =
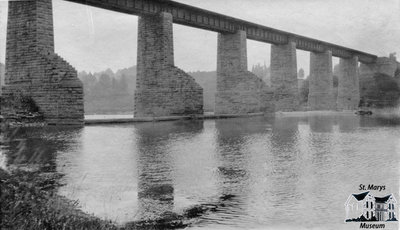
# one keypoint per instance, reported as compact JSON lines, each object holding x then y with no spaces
{"x":93,"y":39}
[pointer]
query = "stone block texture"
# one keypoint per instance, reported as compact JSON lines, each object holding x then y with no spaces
{"x":161,"y":88}
{"x":348,"y":89}
{"x":34,"y":70}
{"x":238,"y":90}
{"x":320,"y":95}
{"x":284,"y":77}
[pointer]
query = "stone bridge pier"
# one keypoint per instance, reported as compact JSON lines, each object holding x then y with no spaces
{"x":161,"y":88}
{"x":348,"y":89}
{"x":238,"y":90}
{"x":284,"y":77}
{"x":35,"y":74}
{"x":320,"y":95}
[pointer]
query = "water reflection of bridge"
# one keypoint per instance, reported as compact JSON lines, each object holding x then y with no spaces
{"x":155,"y":163}
{"x":253,"y":171}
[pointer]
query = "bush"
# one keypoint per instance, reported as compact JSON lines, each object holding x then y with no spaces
{"x":379,"y":91}
{"x":28,"y":104}
{"x":304,"y":91}
{"x":29,"y":201}
{"x":386,"y":83}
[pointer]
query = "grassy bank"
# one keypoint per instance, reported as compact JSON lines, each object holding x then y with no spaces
{"x":28,"y":201}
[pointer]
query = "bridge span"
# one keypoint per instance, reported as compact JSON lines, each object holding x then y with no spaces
{"x":35,"y":72}
{"x":199,"y":18}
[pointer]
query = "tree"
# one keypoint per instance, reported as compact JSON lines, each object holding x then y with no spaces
{"x":335,"y":81}
{"x":123,"y":84}
{"x":397,"y":73}
{"x":386,"y":83}
{"x":89,"y":81}
{"x":105,"y":80}
{"x":381,"y":90}
{"x":392,"y":56}
{"x":304,"y":90}
{"x":104,"y":86}
{"x":301,"y":74}
{"x":2,"y":72}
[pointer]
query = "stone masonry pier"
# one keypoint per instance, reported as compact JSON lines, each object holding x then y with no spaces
{"x":238,"y":90}
{"x":34,"y":71}
{"x":320,"y":82}
{"x":284,"y":77}
{"x":161,"y":88}
{"x":348,"y":89}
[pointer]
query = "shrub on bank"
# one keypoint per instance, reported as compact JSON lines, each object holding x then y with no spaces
{"x":379,"y":91}
{"x":28,"y":201}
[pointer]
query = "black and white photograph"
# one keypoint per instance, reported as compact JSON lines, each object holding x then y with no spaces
{"x":199,"y":114}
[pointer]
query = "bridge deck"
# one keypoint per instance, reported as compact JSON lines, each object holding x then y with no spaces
{"x":199,"y":18}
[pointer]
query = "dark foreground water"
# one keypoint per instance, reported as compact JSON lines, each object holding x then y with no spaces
{"x":255,"y":173}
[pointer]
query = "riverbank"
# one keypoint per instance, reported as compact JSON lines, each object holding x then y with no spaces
{"x":99,"y":119}
{"x":315,"y":113}
{"x":127,"y":118}
{"x":116,"y":119}
{"x":30,"y":201}
{"x":393,"y":113}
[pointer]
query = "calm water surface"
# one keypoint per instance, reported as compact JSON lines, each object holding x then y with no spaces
{"x":258,"y":173}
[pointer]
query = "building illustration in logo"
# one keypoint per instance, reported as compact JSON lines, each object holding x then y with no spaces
{"x":366,"y":207}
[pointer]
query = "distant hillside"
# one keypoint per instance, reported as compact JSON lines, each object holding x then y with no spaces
{"x":208,"y":81}
{"x":129,"y":73}
{"x":112,"y":92}
{"x":107,"y":92}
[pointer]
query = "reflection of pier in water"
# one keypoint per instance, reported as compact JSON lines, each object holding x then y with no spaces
{"x":321,"y":124}
{"x":348,"y":123}
{"x":33,"y":146}
{"x":235,"y":165}
{"x":245,"y":171}
{"x":283,"y":166}
{"x":155,"y":167}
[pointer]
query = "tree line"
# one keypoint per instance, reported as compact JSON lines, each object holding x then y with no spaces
{"x":113,"y":92}
{"x":109,"y":92}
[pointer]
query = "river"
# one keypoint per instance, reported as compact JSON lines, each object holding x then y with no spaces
{"x":287,"y":172}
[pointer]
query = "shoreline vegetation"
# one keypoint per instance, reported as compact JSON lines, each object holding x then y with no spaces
{"x":29,"y":200}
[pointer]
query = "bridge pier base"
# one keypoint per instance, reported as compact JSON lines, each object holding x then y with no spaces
{"x":284,"y":77}
{"x":320,"y":95}
{"x":161,"y":88}
{"x":36,"y":77}
{"x":348,"y":89}
{"x":238,"y":90}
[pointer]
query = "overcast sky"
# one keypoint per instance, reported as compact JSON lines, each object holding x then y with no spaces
{"x":93,"y":39}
